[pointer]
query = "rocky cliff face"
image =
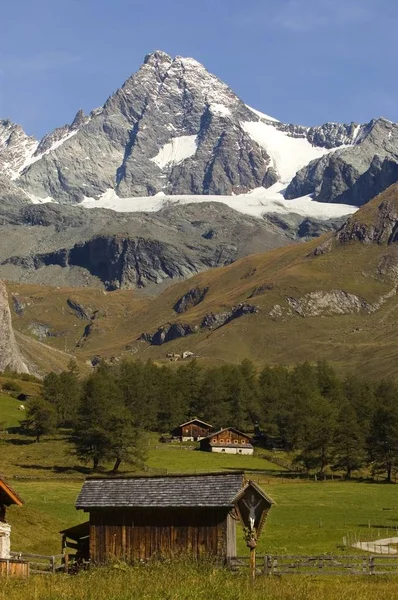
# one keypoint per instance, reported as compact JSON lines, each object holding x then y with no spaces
{"x":72,"y":246}
{"x":10,"y":357}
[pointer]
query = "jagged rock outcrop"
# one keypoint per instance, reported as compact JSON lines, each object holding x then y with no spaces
{"x":335,"y":302}
{"x":172,"y":331}
{"x":167,"y":333}
{"x":10,"y":356}
{"x":81,"y":312}
{"x":190,"y":299}
{"x":215,"y":320}
{"x":19,"y":305}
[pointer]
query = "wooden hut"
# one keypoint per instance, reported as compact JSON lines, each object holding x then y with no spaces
{"x":142,"y":517}
{"x":192,"y":431}
{"x":229,"y":441}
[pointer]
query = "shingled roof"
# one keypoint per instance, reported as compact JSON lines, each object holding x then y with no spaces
{"x":179,"y":491}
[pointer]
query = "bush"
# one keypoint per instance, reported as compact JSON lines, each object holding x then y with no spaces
{"x":12,"y":386}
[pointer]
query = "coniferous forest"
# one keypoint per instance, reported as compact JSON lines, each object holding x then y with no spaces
{"x":326,"y":421}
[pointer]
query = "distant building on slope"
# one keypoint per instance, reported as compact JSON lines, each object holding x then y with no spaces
{"x":192,"y":431}
{"x":229,"y":441}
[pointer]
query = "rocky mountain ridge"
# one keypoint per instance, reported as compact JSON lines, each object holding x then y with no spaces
{"x":174,"y":128}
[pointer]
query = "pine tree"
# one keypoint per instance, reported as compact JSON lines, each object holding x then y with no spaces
{"x":317,"y":433}
{"x":213,"y":404}
{"x":40,"y":418}
{"x":348,"y":452}
{"x":101,"y":399}
{"x":382,"y":441}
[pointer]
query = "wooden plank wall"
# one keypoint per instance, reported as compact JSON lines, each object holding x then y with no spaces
{"x":13,"y":568}
{"x":135,"y":535}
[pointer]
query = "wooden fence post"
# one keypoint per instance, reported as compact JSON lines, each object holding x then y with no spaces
{"x":266,"y":565}
{"x":371,"y":565}
{"x":52,"y":564}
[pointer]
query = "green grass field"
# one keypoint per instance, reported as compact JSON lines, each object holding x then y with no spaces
{"x":190,"y":581}
{"x":309,"y":517}
{"x":9,"y":413}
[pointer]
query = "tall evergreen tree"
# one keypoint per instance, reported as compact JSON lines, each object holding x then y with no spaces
{"x":383,"y":437}
{"x":40,"y":418}
{"x":348,"y":453}
{"x":317,"y":434}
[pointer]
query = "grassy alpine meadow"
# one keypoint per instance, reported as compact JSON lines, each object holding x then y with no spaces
{"x":10,"y":416}
{"x":308,"y":518}
{"x":192,"y":581}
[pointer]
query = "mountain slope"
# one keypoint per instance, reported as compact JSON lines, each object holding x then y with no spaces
{"x":332,"y":298}
{"x":51,"y":244}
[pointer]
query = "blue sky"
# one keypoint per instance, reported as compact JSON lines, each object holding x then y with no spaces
{"x":302,"y":61}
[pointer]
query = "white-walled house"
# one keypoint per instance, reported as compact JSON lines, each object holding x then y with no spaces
{"x":227,"y":441}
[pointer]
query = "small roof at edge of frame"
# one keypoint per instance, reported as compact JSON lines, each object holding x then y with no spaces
{"x":8,"y":496}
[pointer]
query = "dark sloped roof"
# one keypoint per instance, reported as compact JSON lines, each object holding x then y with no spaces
{"x":196,"y":420}
{"x":211,"y":490}
{"x":240,"y":433}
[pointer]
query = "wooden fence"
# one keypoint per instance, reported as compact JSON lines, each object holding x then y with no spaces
{"x":43,"y":564}
{"x":319,"y":565}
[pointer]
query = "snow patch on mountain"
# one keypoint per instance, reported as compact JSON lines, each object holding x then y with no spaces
{"x":261,"y":114}
{"x":220,"y":109}
{"x":257,"y":203}
{"x":176,"y":151}
{"x":288,"y":154}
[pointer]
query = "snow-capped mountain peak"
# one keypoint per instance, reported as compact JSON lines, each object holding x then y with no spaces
{"x":173,"y":128}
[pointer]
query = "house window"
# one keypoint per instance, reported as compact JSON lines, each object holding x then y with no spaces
{"x":221,"y":441}
{"x":228,"y":441}
{"x":236,"y":441}
{"x":243,"y":442}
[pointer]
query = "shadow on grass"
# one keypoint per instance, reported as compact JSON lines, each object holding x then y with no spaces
{"x":59,"y":469}
{"x":20,"y":442}
{"x":376,"y":526}
{"x":258,"y":471}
